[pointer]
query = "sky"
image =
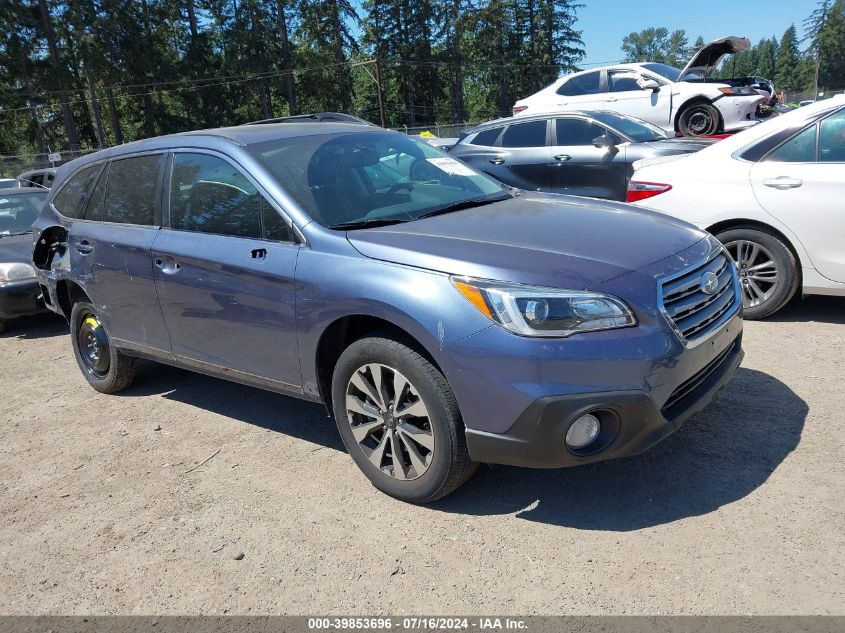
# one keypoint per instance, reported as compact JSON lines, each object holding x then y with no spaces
{"x":605,"y":22}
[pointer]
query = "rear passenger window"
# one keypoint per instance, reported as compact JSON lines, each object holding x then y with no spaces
{"x":532,"y":134}
{"x":581,"y":85}
{"x":94,"y":210}
{"x":832,"y":138}
{"x":487,"y":137}
{"x":70,"y":199}
{"x":132,"y":186}
{"x":798,"y":149}
{"x":209,"y":195}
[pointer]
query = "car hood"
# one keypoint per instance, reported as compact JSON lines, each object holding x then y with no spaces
{"x":705,"y":61}
{"x":684,"y":144}
{"x":15,"y":249}
{"x":540,"y":239}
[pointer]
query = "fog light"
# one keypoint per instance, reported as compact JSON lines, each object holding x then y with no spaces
{"x":583,"y":431}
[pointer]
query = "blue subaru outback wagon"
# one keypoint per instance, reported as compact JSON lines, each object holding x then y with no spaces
{"x":444,"y":320}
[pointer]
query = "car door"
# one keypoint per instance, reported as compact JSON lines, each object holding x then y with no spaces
{"x":109,"y":244}
{"x":522,"y":156}
{"x":802,"y":184}
{"x":580,"y":92}
{"x":224,"y":268}
{"x":581,"y":169}
{"x":625,"y":96}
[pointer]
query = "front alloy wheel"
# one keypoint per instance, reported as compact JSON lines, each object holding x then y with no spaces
{"x":390,"y":421}
{"x":399,"y":419}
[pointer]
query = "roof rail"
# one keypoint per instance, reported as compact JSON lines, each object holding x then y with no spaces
{"x":317,"y":117}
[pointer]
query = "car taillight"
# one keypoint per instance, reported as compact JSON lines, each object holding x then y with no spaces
{"x":643,"y":190}
{"x":518,"y":109}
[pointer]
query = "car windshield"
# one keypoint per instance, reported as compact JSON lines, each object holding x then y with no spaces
{"x":635,"y":129}
{"x":18,"y":211}
{"x":361,"y":179}
{"x":664,"y":70}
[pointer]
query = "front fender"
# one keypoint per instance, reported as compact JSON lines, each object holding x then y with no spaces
{"x":422,"y":303}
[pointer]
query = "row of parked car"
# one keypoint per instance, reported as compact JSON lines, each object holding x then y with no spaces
{"x":443,"y":316}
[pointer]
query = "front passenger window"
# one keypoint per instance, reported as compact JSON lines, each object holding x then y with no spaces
{"x":209,"y":195}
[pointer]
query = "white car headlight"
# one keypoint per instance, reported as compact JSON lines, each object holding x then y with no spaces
{"x":539,"y":311}
{"x":16,"y":272}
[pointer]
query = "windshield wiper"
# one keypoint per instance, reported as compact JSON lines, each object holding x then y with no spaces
{"x":462,"y":204}
{"x":367,"y":224}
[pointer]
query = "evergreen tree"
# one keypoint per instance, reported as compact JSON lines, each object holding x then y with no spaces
{"x":787,"y":62}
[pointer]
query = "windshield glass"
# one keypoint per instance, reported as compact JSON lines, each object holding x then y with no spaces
{"x":370,"y":178}
{"x":635,"y":129}
{"x":664,"y":70}
{"x":18,"y":211}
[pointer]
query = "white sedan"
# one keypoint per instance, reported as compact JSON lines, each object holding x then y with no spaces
{"x":686,"y":101}
{"x":774,"y":195}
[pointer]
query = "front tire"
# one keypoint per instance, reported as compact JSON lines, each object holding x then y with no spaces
{"x":105,"y":368}
{"x":768,"y":270}
{"x":399,"y":420}
{"x":699,"y":119}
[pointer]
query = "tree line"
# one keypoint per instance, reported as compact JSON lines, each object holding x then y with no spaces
{"x":91,"y":73}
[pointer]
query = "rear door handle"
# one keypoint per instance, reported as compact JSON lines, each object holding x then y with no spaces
{"x":563,"y":157}
{"x":783,"y":183}
{"x":259,"y":253}
{"x":497,"y":160}
{"x":83,"y":248}
{"x":612,"y":99}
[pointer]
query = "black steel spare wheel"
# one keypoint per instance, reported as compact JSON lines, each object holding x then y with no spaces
{"x":94,"y":345}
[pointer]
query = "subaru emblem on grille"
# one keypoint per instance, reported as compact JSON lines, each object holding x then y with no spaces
{"x":709,"y":282}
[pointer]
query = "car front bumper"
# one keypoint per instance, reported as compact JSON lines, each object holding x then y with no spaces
{"x":20,"y":298}
{"x":739,"y":113}
{"x":631,"y":420}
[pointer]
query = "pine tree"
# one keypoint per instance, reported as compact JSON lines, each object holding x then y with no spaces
{"x":832,"y":49}
{"x":787,"y":71}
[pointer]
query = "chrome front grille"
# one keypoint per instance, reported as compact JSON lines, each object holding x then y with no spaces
{"x":694,"y":313}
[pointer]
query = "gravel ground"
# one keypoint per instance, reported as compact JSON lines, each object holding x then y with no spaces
{"x":735,"y":514}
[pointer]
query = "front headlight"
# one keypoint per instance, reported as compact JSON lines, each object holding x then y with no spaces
{"x":738,"y":91}
{"x":539,"y":311}
{"x":16,"y":272}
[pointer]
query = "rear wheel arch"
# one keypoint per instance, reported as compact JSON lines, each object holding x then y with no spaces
{"x":344,"y":331}
{"x":69,"y":292}
{"x":727,"y":225}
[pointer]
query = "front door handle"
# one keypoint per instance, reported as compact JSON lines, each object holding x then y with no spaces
{"x":563,"y":157}
{"x":611,"y":99}
{"x":497,"y":160}
{"x":168,"y":267}
{"x":259,"y":253}
{"x":83,"y":248}
{"x":783,"y":183}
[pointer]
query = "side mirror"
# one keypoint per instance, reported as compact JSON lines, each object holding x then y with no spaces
{"x":604,"y":142}
{"x":648,"y":84}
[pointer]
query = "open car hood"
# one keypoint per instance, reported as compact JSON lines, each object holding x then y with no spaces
{"x":705,"y":61}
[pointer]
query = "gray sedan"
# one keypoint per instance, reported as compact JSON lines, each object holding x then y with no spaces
{"x":578,"y":153}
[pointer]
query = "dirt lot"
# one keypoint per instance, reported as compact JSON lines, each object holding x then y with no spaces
{"x":741,"y":512}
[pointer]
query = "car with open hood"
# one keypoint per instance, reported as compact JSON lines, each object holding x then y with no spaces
{"x":442,"y":319}
{"x":686,"y":101}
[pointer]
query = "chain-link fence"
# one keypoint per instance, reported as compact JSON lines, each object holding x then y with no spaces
{"x":12,"y":166}
{"x":446,"y":130}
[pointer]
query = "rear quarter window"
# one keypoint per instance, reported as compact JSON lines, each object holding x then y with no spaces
{"x":70,"y":199}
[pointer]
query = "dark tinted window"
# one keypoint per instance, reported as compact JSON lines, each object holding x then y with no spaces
{"x":581,"y":85}
{"x":577,"y":131}
{"x":69,"y":200}
{"x":131,"y":196}
{"x":531,"y":134}
{"x":832,"y":138}
{"x":799,"y":149}
{"x":18,"y":211}
{"x":208,"y":194}
{"x":487,"y":137}
{"x":94,"y":209}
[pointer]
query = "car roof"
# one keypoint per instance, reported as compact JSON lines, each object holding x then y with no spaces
{"x":242,"y":135}
{"x":590,"y":114}
{"x":14,"y":191}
